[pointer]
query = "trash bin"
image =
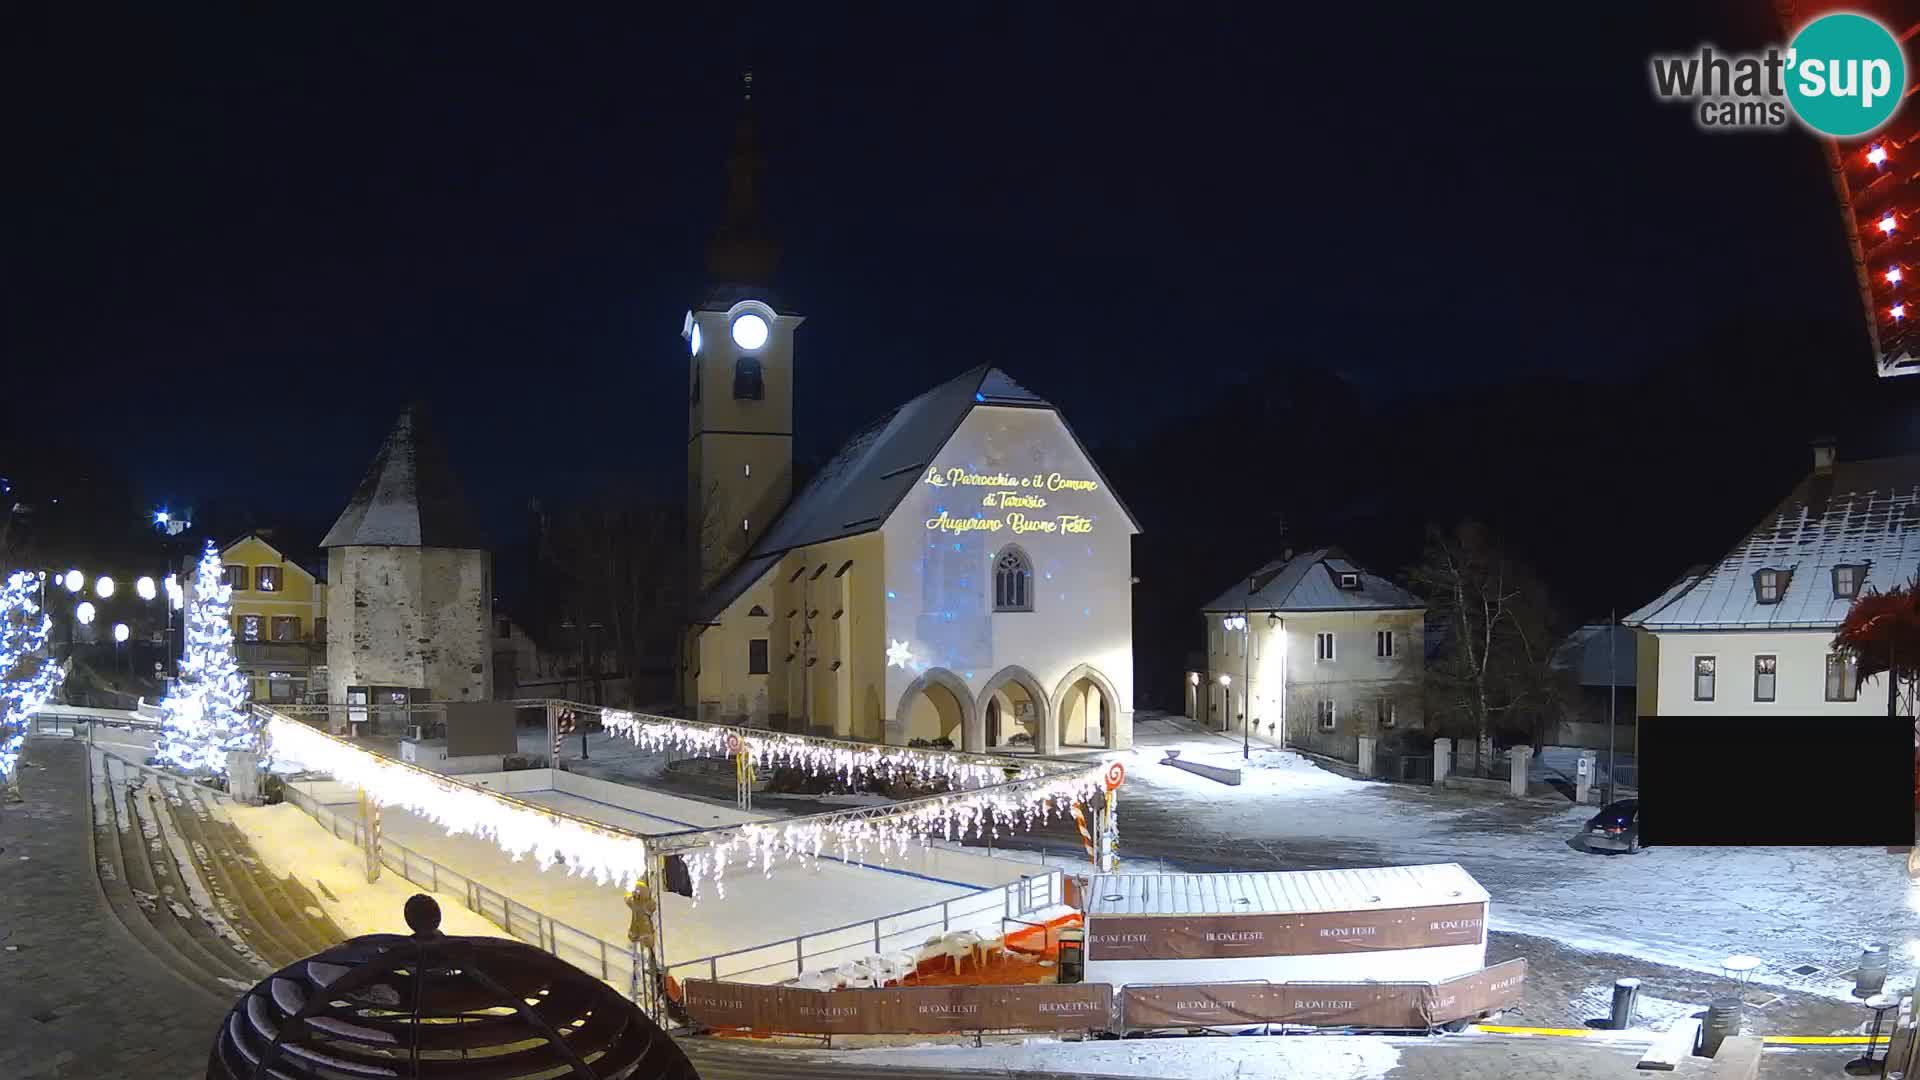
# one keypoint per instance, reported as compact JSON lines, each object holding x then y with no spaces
{"x":1073,"y":956}
{"x":1872,"y":976}
{"x":1626,"y":995}
{"x":1723,"y":1022}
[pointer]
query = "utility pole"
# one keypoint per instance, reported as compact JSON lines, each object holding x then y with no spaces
{"x":1613,"y":686}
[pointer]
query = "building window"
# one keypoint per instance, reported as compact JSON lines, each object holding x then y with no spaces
{"x":747,"y":383}
{"x":320,"y":629}
{"x":236,"y":577}
{"x":1383,"y":644}
{"x":1768,"y":585}
{"x":1012,"y":581}
{"x":1323,"y":647}
{"x":1703,"y":678}
{"x":1349,"y":581}
{"x":284,"y":688}
{"x":1843,"y":678}
{"x":286,"y":628}
{"x":757,"y":656}
{"x":266,"y":578}
{"x":1326,"y":714}
{"x":1765,"y":671}
{"x":1846,"y":581}
{"x":1387,"y":712}
{"x":250,"y":627}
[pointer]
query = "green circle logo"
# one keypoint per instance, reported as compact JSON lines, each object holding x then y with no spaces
{"x":1845,"y":75}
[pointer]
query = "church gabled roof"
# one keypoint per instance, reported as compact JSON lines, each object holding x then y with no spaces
{"x":858,"y":490}
{"x":410,"y":496}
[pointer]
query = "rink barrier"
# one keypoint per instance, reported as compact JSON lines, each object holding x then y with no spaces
{"x":988,"y":911}
{"x":773,"y":962}
{"x":1100,"y":1007}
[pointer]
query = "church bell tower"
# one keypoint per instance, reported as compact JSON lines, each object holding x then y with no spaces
{"x":740,"y":378}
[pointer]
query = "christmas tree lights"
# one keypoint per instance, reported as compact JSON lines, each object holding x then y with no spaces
{"x":206,"y":715}
{"x":28,"y":676}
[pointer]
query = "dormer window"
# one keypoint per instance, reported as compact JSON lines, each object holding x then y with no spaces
{"x":1769,"y":585}
{"x":1846,"y":581}
{"x":1349,"y":580}
{"x":747,"y":384}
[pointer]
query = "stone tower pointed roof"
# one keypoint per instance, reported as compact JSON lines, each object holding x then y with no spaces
{"x":410,"y":496}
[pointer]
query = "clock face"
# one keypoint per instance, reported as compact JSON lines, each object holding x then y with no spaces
{"x":693,"y":339}
{"x":750,"y":332}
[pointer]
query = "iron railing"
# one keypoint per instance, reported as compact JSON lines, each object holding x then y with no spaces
{"x":615,"y":964}
{"x":788,"y":958}
{"x":612,"y":963}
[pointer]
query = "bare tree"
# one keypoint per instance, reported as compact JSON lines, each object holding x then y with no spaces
{"x":1494,"y":671}
{"x":616,"y":561}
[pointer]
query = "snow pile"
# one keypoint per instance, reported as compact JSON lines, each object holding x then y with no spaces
{"x":1333,"y":1057}
{"x":293,"y":844}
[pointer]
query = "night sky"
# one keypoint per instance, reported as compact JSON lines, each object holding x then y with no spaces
{"x":237,"y":240}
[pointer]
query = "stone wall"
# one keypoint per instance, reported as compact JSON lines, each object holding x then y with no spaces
{"x":410,"y":616}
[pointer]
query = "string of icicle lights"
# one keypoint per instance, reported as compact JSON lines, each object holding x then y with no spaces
{"x":611,"y":858}
{"x":864,"y":838}
{"x":850,"y":762}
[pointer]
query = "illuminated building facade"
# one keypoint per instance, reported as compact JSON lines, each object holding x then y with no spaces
{"x":959,"y":572}
{"x":1315,"y":645}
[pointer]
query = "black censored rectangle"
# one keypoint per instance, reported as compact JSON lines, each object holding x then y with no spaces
{"x":1776,"y":781}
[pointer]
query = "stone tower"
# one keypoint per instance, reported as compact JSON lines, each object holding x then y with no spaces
{"x":410,"y":582}
{"x":740,"y":379}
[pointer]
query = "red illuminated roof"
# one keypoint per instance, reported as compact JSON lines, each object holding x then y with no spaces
{"x":1877,"y":177}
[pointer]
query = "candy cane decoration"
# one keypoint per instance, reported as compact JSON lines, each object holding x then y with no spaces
{"x":1086,"y":834}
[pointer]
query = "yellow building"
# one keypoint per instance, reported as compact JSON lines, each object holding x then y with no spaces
{"x":279,"y":618}
{"x":958,"y":574}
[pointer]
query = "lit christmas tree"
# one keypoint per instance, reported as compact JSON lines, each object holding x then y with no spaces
{"x":207,"y":715}
{"x":28,"y":676}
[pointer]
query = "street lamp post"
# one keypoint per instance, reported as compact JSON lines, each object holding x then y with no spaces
{"x":1613,"y":682}
{"x":1246,"y":667}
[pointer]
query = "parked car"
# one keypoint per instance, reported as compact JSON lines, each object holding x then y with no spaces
{"x":1615,"y":828}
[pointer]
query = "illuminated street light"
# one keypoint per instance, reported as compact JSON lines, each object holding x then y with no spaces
{"x":104,"y":586}
{"x":84,"y":612}
{"x":120,"y":631}
{"x":74,"y":581}
{"x":161,"y":517}
{"x":145,"y":588}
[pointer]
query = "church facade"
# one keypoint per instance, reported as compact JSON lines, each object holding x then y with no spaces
{"x":959,"y":573}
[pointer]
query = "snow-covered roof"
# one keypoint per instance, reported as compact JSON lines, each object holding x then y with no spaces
{"x":410,"y":496}
{"x":1863,"y":513}
{"x":1585,"y":654}
{"x":1283,"y":892}
{"x":1307,"y":582}
{"x":859,"y":488}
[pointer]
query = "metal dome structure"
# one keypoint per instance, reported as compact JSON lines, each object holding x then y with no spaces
{"x":403,"y":1006}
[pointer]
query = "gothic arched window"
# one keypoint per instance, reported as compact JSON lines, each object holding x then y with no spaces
{"x":747,"y":384}
{"x":1012,"y":581}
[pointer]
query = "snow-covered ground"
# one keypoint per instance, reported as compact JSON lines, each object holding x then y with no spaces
{"x":292,"y":844}
{"x":1684,"y":907}
{"x":1321,"y":1058}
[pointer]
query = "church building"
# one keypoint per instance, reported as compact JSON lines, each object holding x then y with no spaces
{"x":959,"y":573}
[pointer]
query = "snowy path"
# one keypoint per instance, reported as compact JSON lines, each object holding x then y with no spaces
{"x":1684,"y":907}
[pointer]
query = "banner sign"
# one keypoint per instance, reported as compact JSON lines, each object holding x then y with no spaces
{"x":916,"y":1010}
{"x":1352,"y":1005}
{"x":1207,"y":937}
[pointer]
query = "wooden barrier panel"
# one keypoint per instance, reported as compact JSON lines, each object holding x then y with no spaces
{"x":1354,"y":1005}
{"x":914,"y":1010}
{"x":1206,"y":937}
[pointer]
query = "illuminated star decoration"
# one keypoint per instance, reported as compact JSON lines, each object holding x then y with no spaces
{"x":897,"y":654}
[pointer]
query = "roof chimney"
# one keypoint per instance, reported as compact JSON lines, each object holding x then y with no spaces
{"x":1823,"y":454}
